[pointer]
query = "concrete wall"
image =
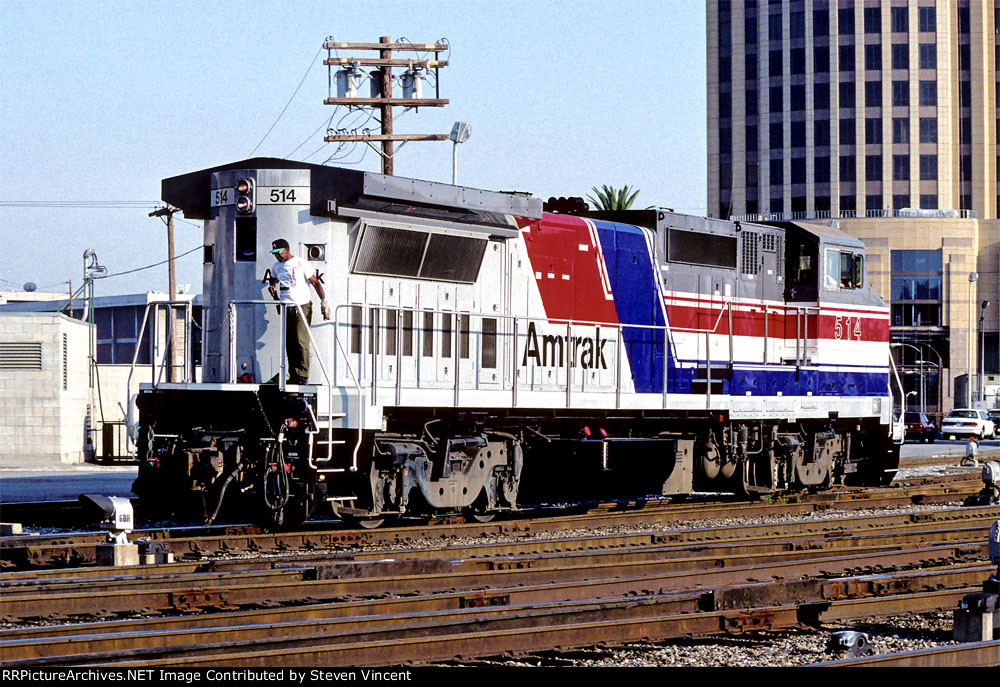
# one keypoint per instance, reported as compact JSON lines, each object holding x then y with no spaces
{"x":43,"y":415}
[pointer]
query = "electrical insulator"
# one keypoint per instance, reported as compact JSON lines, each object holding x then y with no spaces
{"x":245,"y":204}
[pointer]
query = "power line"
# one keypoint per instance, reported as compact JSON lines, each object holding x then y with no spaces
{"x":79,"y":203}
{"x":288,"y":103}
{"x":139,"y":269}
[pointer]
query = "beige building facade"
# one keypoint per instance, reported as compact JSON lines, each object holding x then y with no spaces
{"x":879,"y":115}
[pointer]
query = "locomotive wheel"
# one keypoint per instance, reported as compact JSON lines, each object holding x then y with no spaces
{"x":476,"y":516}
{"x":364,"y":523}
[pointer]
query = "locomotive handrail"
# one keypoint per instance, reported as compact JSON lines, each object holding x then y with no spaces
{"x":282,"y":307}
{"x":154,"y":376}
{"x":726,"y":307}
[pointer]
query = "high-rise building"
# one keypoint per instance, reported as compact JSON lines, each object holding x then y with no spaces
{"x":880,"y":115}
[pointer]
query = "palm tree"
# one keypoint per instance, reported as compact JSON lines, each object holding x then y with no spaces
{"x":608,"y":198}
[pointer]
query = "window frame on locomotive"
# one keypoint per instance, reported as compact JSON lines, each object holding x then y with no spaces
{"x":842,"y":269}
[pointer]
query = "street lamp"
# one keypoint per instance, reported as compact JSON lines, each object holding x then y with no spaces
{"x":982,"y":351}
{"x":923,"y":404}
{"x":912,"y":393}
{"x":459,"y":134}
{"x":973,"y":277}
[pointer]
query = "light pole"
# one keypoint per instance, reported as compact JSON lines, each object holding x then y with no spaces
{"x":911,"y":393}
{"x":459,"y":134}
{"x":921,"y":363}
{"x":982,"y":350}
{"x":973,"y":277}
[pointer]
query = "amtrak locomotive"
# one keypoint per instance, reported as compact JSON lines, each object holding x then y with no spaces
{"x":482,"y":354}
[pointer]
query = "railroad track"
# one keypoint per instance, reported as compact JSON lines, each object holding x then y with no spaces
{"x":501,"y":598}
{"x":74,"y":549}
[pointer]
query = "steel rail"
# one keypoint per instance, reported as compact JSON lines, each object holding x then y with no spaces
{"x":429,"y":642}
{"x":668,"y":573}
{"x":426,"y":615}
{"x":28,"y":552}
{"x":972,"y":655}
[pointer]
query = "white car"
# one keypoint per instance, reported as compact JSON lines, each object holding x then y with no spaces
{"x":962,"y":423}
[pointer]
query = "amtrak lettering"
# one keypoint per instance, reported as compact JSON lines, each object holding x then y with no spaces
{"x":551,"y":352}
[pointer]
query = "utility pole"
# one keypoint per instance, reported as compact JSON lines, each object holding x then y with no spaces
{"x":168,"y":212}
{"x":412,"y":97}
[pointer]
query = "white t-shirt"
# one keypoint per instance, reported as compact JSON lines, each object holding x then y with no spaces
{"x":293,"y":284}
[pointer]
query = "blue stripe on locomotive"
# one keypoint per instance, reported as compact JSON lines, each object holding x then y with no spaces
{"x":638,"y":301}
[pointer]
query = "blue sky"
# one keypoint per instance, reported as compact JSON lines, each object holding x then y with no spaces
{"x":101,"y":101}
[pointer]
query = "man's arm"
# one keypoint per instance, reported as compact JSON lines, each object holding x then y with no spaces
{"x":324,"y":307}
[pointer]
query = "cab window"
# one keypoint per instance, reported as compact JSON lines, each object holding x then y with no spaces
{"x":844,"y":270}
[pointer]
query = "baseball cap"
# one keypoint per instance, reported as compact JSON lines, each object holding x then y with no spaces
{"x":278,"y":245}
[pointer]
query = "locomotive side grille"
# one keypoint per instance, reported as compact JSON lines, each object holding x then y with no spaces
{"x":390,"y":251}
{"x":405,"y":253}
{"x":769,"y":242}
{"x":453,"y":258}
{"x":21,"y":355}
{"x":750,"y":259}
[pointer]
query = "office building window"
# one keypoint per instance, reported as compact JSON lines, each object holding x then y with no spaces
{"x":725,"y":104}
{"x":847,"y":95}
{"x":725,"y":140}
{"x":848,"y":204}
{"x":928,"y":55}
{"x":752,"y":174}
{"x":963,"y":19}
{"x":750,"y":31}
{"x":873,"y":201}
{"x":964,"y":94}
{"x":900,"y":200}
{"x":797,"y":24}
{"x":797,"y":61}
{"x":777,"y":172}
{"x":798,"y":134}
{"x":900,"y":130}
{"x":873,"y":57}
{"x":873,"y":20}
{"x":915,"y":287}
{"x":821,"y":133}
{"x":900,"y":93}
{"x":928,"y":167}
{"x":777,"y":204}
{"x":774,"y":63}
{"x":751,"y":103}
{"x":847,"y":129}
{"x":752,"y":142}
{"x":900,"y":56}
{"x":926,"y":21}
{"x":873,"y":169}
{"x":928,"y":92}
{"x":873,"y":94}
{"x":964,"y":57}
{"x":750,"y":67}
{"x":898,"y":19}
{"x":845,"y":21}
{"x":900,"y":167}
{"x":846,"y":58}
{"x":848,"y":168}
{"x":928,"y":130}
{"x":821,"y":170}
{"x":873,"y":131}
{"x":725,"y":70}
{"x":821,"y":59}
{"x":774,"y":26}
{"x":774,"y":98}
{"x":822,"y":203}
{"x":798,"y":170}
{"x":928,"y":201}
{"x":821,"y":22}
{"x":776,"y":138}
{"x":797,"y":98}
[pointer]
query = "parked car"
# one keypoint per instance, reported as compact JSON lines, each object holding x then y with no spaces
{"x":962,"y":423}
{"x":918,"y":426}
{"x":995,"y":416}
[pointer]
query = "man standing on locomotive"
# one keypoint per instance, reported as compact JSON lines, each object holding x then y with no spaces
{"x":289,"y":278}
